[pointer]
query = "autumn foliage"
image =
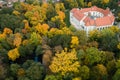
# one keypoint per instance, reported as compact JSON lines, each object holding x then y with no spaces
{"x":37,"y":42}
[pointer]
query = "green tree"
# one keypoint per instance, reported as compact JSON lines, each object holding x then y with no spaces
{"x":84,"y":72}
{"x":10,"y":21}
{"x":109,"y":40}
{"x":117,"y":75}
{"x":82,"y":37}
{"x":51,"y":12}
{"x":69,"y":4}
{"x":29,"y":1}
{"x":35,"y":71}
{"x":80,"y":3}
{"x":60,"y":39}
{"x":23,"y":78}
{"x":99,"y":72}
{"x":111,"y":67}
{"x":3,"y":72}
{"x":93,"y":56}
{"x":6,"y":11}
{"x":13,"y":69}
{"x":27,"y":49}
{"x":53,"y":77}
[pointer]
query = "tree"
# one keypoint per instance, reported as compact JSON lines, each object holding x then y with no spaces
{"x":97,"y":3}
{"x":84,"y":72}
{"x":89,"y":4}
{"x":6,"y":11}
{"x":118,"y":64}
{"x":3,"y":72}
{"x":60,"y":39}
{"x":53,"y":77}
{"x":13,"y":69}
{"x":109,"y":40}
{"x":93,"y":56}
{"x":80,"y":3}
{"x":42,"y":29}
{"x":57,"y":22}
{"x":13,"y":54}
{"x":61,"y":15}
{"x":111,"y":67}
{"x":59,"y":7}
{"x":105,"y":1}
{"x":99,"y":72}
{"x":10,"y":21}
{"x":65,"y":63}
{"x":74,"y":41}
{"x":29,"y":1}
{"x":35,"y":13}
{"x":51,"y":12}
{"x":35,"y":38}
{"x":81,"y":36}
{"x":35,"y":71}
{"x":116,"y":75}
{"x":17,"y":40}
{"x":94,"y":35}
{"x":26,"y":49}
{"x":69,"y":4}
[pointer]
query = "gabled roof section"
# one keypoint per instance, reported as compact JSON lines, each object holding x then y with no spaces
{"x":78,"y":15}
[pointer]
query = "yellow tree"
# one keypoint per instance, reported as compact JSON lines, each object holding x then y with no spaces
{"x":94,"y":35}
{"x":74,"y":41}
{"x":2,"y":36}
{"x":61,"y":15}
{"x":58,"y":23}
{"x":65,"y":62}
{"x":17,"y":40}
{"x":105,"y":1}
{"x":114,"y":29}
{"x":36,"y":14}
{"x":20,"y":72}
{"x":35,"y":38}
{"x":26,"y":7}
{"x":99,"y":72}
{"x":118,"y":46}
{"x":42,"y":29}
{"x":17,"y":13}
{"x":89,"y":4}
{"x":26,"y":27}
{"x":7,"y":31}
{"x":59,"y":7}
{"x":13,"y":54}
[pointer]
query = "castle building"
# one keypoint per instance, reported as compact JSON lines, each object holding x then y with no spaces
{"x":89,"y":19}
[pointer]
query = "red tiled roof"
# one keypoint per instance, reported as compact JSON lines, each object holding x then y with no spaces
{"x":74,"y":10}
{"x":78,"y":15}
{"x":105,"y":20}
{"x":86,"y":19}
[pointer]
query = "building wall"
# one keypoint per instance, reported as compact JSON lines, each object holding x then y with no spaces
{"x":77,"y":24}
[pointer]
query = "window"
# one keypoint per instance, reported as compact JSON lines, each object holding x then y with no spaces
{"x":82,"y":27}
